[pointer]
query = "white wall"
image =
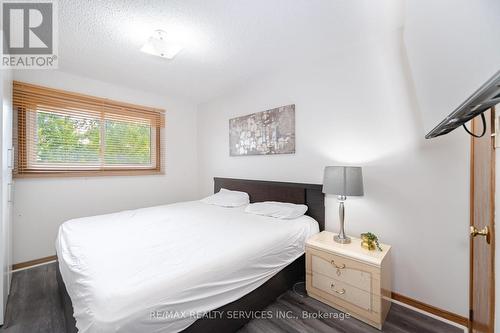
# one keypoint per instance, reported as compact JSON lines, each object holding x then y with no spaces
{"x":41,"y":205}
{"x":360,"y":109}
{"x":453,"y":47}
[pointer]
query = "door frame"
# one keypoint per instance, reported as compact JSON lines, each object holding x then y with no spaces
{"x":490,"y":133}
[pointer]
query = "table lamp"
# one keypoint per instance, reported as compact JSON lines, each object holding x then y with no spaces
{"x":343,"y":181}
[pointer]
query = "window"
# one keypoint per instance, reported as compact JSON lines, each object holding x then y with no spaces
{"x":63,"y":133}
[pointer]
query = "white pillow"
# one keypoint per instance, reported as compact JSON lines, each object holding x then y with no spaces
{"x":227,"y":198}
{"x":280,"y":210}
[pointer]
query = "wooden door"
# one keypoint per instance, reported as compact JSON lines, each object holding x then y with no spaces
{"x":482,"y":208}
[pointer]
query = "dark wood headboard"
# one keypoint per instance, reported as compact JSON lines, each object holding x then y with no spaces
{"x":298,"y":193}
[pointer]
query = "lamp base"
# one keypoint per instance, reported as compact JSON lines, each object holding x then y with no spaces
{"x":341,"y":240}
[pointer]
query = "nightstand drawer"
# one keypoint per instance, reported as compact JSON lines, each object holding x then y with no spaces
{"x":349,"y":277}
{"x":343,"y":270}
{"x":353,"y":295}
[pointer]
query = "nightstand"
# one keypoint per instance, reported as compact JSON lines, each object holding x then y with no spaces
{"x":349,"y":277}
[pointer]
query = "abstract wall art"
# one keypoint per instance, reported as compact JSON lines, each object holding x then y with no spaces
{"x":263,"y":133}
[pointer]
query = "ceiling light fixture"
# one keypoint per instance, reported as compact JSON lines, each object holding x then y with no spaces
{"x":160,"y":45}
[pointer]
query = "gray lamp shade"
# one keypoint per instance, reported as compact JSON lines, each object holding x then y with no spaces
{"x":343,"y":180}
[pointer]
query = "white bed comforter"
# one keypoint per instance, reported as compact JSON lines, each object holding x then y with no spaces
{"x":155,"y":269}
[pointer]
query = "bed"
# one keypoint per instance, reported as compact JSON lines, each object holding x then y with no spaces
{"x":231,"y":261}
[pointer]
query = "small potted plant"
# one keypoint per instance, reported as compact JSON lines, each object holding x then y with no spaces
{"x":370,"y":242}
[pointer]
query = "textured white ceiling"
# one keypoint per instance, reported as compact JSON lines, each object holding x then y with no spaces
{"x":226,"y":41}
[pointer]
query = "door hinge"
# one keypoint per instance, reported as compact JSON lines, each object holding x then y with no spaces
{"x":471,"y":314}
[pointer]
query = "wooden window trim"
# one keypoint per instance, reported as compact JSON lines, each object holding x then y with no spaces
{"x":21,"y":96}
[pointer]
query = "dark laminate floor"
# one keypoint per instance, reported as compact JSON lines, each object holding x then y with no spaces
{"x":34,"y":307}
{"x":399,"y":320}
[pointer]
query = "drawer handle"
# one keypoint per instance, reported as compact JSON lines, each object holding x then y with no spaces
{"x":342,"y":292}
{"x":332,"y":286}
{"x":337,"y":266}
